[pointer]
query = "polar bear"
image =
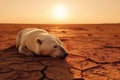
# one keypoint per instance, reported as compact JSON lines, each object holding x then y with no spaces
{"x":39,"y":42}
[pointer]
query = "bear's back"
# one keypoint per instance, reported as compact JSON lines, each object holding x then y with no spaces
{"x":32,"y":33}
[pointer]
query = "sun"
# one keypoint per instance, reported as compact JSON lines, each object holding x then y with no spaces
{"x":60,"y":12}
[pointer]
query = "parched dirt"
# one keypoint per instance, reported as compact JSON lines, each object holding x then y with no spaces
{"x":94,"y":54}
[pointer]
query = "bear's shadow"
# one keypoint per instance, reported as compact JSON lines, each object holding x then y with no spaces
{"x":16,"y":66}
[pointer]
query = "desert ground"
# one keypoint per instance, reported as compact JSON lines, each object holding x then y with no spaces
{"x":94,"y":53}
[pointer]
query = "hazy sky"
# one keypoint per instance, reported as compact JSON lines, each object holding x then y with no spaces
{"x":42,"y":11}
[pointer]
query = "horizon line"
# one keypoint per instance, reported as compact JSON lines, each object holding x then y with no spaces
{"x":59,"y":23}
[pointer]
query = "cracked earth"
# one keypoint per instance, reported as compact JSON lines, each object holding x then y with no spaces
{"x":94,"y":54}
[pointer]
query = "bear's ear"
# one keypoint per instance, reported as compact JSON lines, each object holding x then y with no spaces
{"x":58,"y":41}
{"x":39,"y":40}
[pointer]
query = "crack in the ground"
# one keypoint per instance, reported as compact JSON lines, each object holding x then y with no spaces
{"x":79,"y":79}
{"x":107,"y":46}
{"x":43,"y":73}
{"x":104,"y":76}
{"x":99,"y":65}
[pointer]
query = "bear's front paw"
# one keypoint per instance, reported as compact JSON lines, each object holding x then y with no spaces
{"x":25,"y":51}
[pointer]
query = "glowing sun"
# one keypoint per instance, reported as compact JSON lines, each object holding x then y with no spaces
{"x":60,"y":12}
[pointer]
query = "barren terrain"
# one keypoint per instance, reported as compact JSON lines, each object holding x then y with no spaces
{"x":94,"y":54}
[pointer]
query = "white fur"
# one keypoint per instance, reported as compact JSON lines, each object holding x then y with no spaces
{"x":28,"y":41}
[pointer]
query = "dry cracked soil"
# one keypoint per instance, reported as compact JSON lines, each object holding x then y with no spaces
{"x":94,"y":53}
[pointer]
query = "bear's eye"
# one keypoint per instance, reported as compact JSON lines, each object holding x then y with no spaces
{"x":55,"y":46}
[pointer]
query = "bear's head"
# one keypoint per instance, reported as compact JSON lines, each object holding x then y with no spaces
{"x":50,"y":45}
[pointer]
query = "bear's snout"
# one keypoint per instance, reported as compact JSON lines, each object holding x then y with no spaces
{"x":65,"y":55}
{"x":62,"y":56}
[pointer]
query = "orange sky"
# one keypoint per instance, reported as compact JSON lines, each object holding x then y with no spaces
{"x":42,"y":11}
